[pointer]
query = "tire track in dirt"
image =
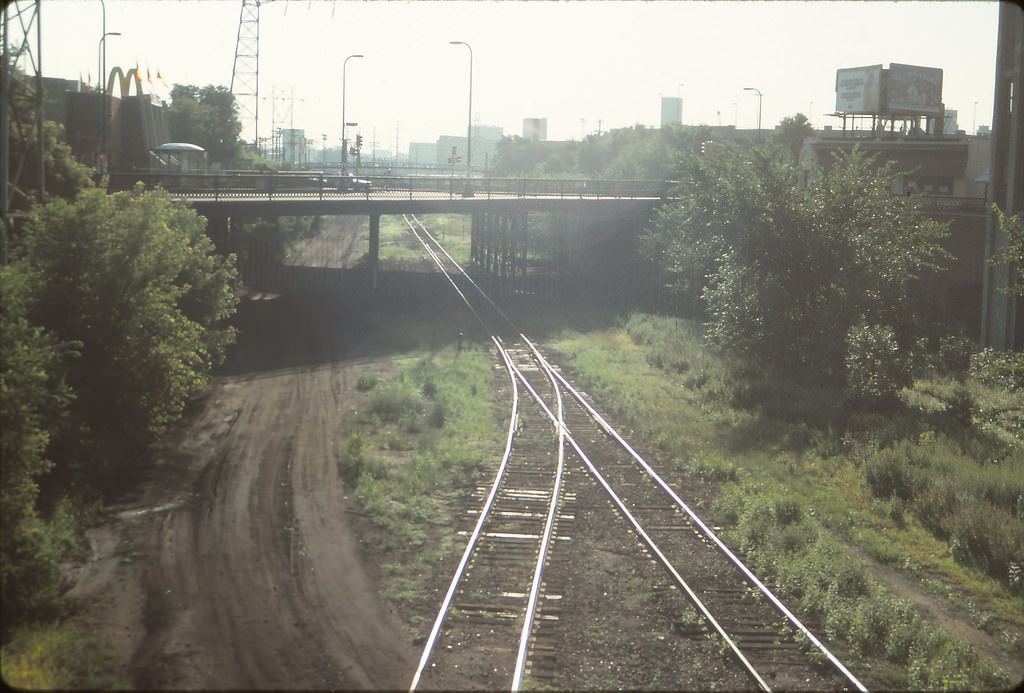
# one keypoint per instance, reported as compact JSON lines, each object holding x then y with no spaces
{"x":258,"y":580}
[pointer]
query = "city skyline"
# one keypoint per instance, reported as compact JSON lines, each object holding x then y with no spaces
{"x":584,"y":66}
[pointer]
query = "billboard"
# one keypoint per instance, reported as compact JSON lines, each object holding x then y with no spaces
{"x":859,"y":89}
{"x":916,"y":90}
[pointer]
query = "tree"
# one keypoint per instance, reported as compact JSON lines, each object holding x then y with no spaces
{"x":33,"y":396}
{"x":62,"y":175}
{"x":784,"y":273}
{"x":791,"y":133}
{"x":133,"y":278}
{"x":207,"y":117}
{"x":1012,"y":253}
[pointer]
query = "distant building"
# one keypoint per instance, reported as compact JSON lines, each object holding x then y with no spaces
{"x":423,"y":153}
{"x":111,"y":133}
{"x":535,"y":129}
{"x":293,"y":146}
{"x":671,"y":110}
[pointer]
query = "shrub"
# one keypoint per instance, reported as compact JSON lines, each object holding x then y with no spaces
{"x":396,"y":404}
{"x":876,"y":368}
{"x":954,"y":355}
{"x":890,"y":472}
{"x":366,"y":382}
{"x":59,"y":658}
{"x":999,"y":368}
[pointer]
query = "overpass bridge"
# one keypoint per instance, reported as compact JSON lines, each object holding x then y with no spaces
{"x":240,"y":194}
{"x":499,"y":207}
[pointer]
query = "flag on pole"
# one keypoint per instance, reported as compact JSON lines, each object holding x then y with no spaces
{"x":162,"y":80}
{"x":148,"y":78}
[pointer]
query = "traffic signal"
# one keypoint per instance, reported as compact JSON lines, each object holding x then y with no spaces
{"x":359,"y":141}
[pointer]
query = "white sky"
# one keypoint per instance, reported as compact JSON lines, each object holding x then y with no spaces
{"x":582,"y":65}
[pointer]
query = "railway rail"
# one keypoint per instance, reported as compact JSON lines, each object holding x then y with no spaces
{"x":510,"y":605}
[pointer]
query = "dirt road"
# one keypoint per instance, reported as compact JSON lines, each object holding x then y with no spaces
{"x":237,"y":564}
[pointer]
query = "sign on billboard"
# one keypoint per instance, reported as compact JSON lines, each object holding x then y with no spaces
{"x":915,"y":89}
{"x":859,"y":89}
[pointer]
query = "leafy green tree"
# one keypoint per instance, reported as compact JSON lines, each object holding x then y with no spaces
{"x":637,"y":153}
{"x":62,"y":175}
{"x":133,"y":278}
{"x":33,"y":395}
{"x":1013,"y":252}
{"x":791,"y":133}
{"x":784,"y":272}
{"x":208,"y":117}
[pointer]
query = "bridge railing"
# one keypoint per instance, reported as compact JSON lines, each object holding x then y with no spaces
{"x":313,"y":184}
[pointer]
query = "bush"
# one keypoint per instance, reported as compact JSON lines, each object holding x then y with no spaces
{"x":397,"y":404}
{"x":954,"y":355}
{"x":999,"y":368}
{"x":876,"y":369}
{"x":59,"y":658}
{"x":366,"y":382}
{"x":890,"y":472}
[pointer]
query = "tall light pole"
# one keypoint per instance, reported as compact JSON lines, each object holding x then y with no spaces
{"x":102,"y":58}
{"x":102,"y":49}
{"x":469,"y":127}
{"x":344,"y":142}
{"x":758,"y":92}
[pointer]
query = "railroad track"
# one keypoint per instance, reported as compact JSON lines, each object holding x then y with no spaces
{"x":510,"y":606}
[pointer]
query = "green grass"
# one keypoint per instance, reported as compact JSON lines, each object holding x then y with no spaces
{"x":397,"y":244}
{"x":59,"y":657}
{"x":423,"y":441}
{"x":869,"y":479}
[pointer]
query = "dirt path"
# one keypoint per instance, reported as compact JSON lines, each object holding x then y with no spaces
{"x":237,"y":563}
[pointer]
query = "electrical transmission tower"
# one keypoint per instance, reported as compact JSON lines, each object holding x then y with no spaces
{"x":245,"y":74}
{"x":21,"y":113}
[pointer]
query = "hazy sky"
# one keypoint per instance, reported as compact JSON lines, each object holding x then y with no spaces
{"x":582,"y":65}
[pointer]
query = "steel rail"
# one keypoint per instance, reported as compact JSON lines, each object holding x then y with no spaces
{"x":610,"y":431}
{"x":707,"y":531}
{"x":644,"y":536}
{"x":549,"y":524}
{"x":474,"y":537}
{"x":473,"y":541}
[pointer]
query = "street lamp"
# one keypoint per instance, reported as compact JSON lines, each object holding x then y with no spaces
{"x":758,"y":92}
{"x":102,"y":58}
{"x":344,"y":142}
{"x":469,"y":127}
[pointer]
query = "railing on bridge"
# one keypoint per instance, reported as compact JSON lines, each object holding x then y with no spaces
{"x":234,"y":185}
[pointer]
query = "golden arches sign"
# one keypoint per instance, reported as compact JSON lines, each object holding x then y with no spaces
{"x":125,"y":80}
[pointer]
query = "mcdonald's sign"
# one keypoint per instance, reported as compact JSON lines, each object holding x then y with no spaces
{"x":125,"y":81}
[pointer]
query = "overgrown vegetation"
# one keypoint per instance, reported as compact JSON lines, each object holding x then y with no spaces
{"x":423,"y":440}
{"x":798,"y":279}
{"x":114,"y":313}
{"x":934,"y":485}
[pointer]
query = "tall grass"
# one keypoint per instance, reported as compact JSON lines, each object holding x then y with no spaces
{"x":59,"y":657}
{"x":801,"y":474}
{"x":425,"y":439}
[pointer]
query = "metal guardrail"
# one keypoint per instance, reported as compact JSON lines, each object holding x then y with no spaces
{"x":234,"y":185}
